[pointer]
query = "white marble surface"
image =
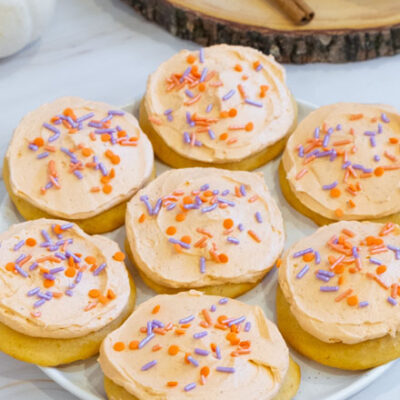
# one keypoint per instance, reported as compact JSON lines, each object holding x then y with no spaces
{"x":101,"y":49}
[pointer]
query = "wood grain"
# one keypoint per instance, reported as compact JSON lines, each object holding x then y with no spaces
{"x":342,"y":30}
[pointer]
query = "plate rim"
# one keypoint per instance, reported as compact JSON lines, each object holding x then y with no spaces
{"x":361,"y":383}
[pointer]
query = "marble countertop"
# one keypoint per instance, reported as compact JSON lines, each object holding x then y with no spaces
{"x":100,"y":49}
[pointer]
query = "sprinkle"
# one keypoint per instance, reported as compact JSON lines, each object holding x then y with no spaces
{"x":189,"y":387}
{"x":42,"y":155}
{"x":229,"y":370}
{"x":209,"y":208}
{"x":116,"y":112}
{"x":203,"y":74}
{"x":201,"y":55}
{"x":213,"y":308}
{"x":326,"y":273}
{"x":185,"y":74}
{"x":224,"y":300}
{"x":317,"y":257}
{"x":224,"y":201}
{"x":233,"y":240}
{"x":66,"y":226}
{"x":301,"y":173}
{"x":329,"y":288}
{"x":392,"y":301}
{"x":149,"y":365}
{"x":51,"y":128}
{"x":32,"y":292}
{"x":258,"y":217}
{"x":157,"y":207}
{"x":146,"y":340}
{"x":302,"y":252}
{"x":200,"y":335}
{"x":229,"y":95}
{"x":99,"y":269}
{"x":56,"y":270}
{"x":186,"y":320}
{"x":237,"y":321}
{"x":303,"y":272}
{"x":39,"y":303}
{"x":201,"y":352}
{"x":375,"y":261}
{"x":193,"y":361}
{"x":362,"y":304}
{"x":247,"y":326}
{"x":19,"y":245}
{"x":342,"y":296}
{"x":385,"y":118}
{"x":33,"y":147}
{"x":182,"y":244}
{"x":218,"y":353}
{"x":202,"y":265}
{"x":330,"y":186}
{"x":209,"y":108}
{"x":253,"y":103}
{"x":33,"y":266}
{"x":372,"y":141}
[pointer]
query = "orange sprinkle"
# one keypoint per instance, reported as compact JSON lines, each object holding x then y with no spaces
{"x":223,"y":136}
{"x":348,"y":232}
{"x":278,"y":262}
{"x":249,"y":126}
{"x":58,"y":230}
{"x":232,"y":112}
{"x":180,"y":217}
{"x":190,"y":58}
{"x":381,"y":269}
{"x":335,"y":192}
{"x":171,"y":230}
{"x":86,"y":152}
{"x":95,"y":189}
{"x":70,"y":272}
{"x":223,"y":258}
{"x":90,"y":260}
{"x":156,"y":309}
{"x":173,"y":350}
{"x":119,"y":256}
{"x":110,"y":294}
{"x":379,"y":171}
{"x":48,"y":283}
{"x":119,"y":346}
{"x":204,"y":232}
{"x":142,"y":218}
{"x":308,"y":257}
{"x":186,"y":239}
{"x":10,"y":266}
{"x":172,"y":383}
{"x":94,"y":293}
{"x":224,"y":114}
{"x":393,"y":140}
{"x":388,"y":227}
{"x":339,"y":212}
{"x":205,"y":371}
{"x":254,"y":236}
{"x":134,"y":345}
{"x":38,"y":141}
{"x":107,"y":188}
{"x":105,"y":137}
{"x":355,"y":117}
{"x":228,"y":223}
{"x":156,"y":347}
{"x":238,"y":68}
{"x":301,"y":173}
{"x":241,"y":91}
{"x":352,"y":301}
{"x":342,"y":296}
{"x":30,"y":242}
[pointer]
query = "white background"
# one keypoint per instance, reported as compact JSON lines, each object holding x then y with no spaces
{"x":102,"y":50}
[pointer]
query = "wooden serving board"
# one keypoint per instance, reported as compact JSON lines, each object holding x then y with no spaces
{"x":341,"y":31}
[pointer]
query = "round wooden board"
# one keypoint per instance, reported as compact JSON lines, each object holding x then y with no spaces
{"x":342,"y":30}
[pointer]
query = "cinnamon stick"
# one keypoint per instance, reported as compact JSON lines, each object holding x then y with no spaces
{"x":297,"y":10}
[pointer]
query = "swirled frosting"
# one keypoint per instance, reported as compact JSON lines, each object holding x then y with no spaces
{"x":195,"y":346}
{"x":342,"y":282}
{"x":204,"y":226}
{"x":221,"y":104}
{"x":58,"y":282}
{"x":343,"y":162}
{"x":74,"y":158}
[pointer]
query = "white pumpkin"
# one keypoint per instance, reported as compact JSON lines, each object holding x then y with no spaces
{"x":21,"y":22}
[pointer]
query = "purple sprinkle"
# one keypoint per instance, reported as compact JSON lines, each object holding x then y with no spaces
{"x":39,"y":303}
{"x":333,"y":155}
{"x":50,"y":277}
{"x":103,"y":169}
{"x":346,"y":164}
{"x":303,"y":272}
{"x":76,"y":258}
{"x":20,"y":258}
{"x":385,"y":118}
{"x":145,"y":200}
{"x":116,"y":112}
{"x":372,"y":141}
{"x":241,"y":227}
{"x":233,"y":240}
{"x":149,"y":328}
{"x":186,"y":137}
{"x":253,"y":103}
{"x":56,"y":270}
{"x":338,"y":127}
{"x":329,"y":288}
{"x":146,"y":340}
{"x":171,"y":206}
{"x":19,"y":245}
{"x":45,"y":296}
{"x":53,"y":247}
{"x":302,"y":252}
{"x":95,"y":124}
{"x":54,"y":137}
{"x":69,"y":292}
{"x":355,"y":252}
{"x":21,"y":271}
{"x":237,"y":321}
{"x":230,"y":203}
{"x":229,"y":370}
{"x":317,"y":257}
{"x":242,"y":190}
{"x":204,"y":187}
{"x":149,"y":365}
{"x":189,"y":93}
{"x":316,"y":133}
{"x":323,"y":153}
{"x":229,"y":95}
{"x":192,"y":361}
{"x":259,"y":67}
{"x":182,"y":244}
{"x":201,"y":352}
{"x":105,"y":130}
{"x":224,"y":300}
{"x":34,"y":291}
{"x":211,"y":134}
{"x":218,"y":352}
{"x":362,"y":304}
{"x":168,"y":111}
{"x":209,"y":108}
{"x":78,"y":174}
{"x":203,"y":74}
{"x":186,"y":320}
{"x":375,"y":261}
{"x":376,"y":158}
{"x":225,"y":192}
{"x":51,"y":128}
{"x":189,"y":387}
{"x":33,"y":266}
{"x":326,"y":273}
{"x":42,"y":155}
{"x":99,"y":269}
{"x":33,"y":146}
{"x":326,"y":140}
{"x":258,"y":217}
{"x":185,"y":74}
{"x":392,"y":301}
{"x":45,"y":236}
{"x":301,"y":151}
{"x":380,"y":128}
{"x":200,"y":335}
{"x":202,"y":265}
{"x":322,"y":277}
{"x":209,"y":208}
{"x":157,"y":207}
{"x":201,"y":55}
{"x":330,"y":186}
{"x":85,"y":117}
{"x":330,"y":131}
{"x":67,"y":226}
{"x":247,"y":326}
{"x":213,"y":308}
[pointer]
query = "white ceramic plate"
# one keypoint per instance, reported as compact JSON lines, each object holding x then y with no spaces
{"x":84,"y":379}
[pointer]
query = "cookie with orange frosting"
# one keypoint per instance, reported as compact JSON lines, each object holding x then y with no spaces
{"x":342,"y":163}
{"x":192,"y":345}
{"x":223,"y":106}
{"x":209,"y":229}
{"x":61,"y":291}
{"x":339,"y":295}
{"x":77,"y":160}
